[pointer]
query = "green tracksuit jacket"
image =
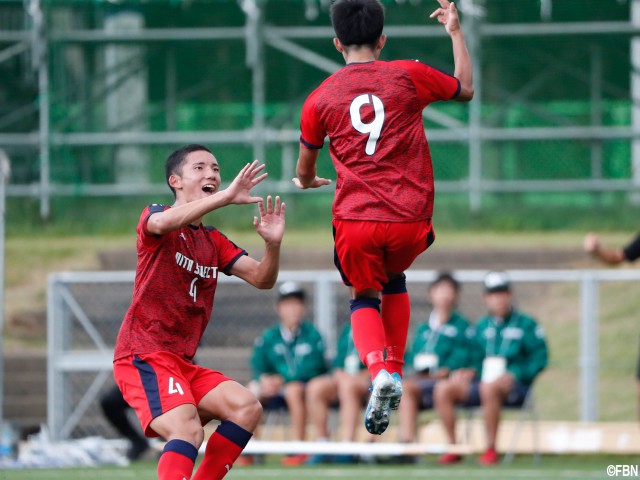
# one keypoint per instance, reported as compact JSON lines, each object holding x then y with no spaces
{"x":519,"y":339}
{"x":301,"y":359}
{"x":452,"y":342}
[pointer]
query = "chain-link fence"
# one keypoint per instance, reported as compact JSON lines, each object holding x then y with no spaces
{"x":593,"y":371}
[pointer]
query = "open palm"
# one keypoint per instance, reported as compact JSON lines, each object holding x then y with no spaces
{"x":270,"y":225}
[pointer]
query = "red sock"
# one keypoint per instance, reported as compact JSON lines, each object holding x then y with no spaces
{"x":176,"y":461}
{"x":396,"y":313}
{"x":223,"y":448}
{"x":368,"y":333}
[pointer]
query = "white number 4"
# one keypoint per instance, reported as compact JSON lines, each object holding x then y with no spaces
{"x":375,"y":127}
{"x":174,"y":387}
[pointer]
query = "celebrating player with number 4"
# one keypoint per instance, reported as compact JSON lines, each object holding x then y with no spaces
{"x":179,"y":260}
{"x":372,"y":112}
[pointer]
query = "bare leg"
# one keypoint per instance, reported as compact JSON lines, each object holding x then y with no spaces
{"x":321,"y":392}
{"x":294,"y":396}
{"x":408,"y":411}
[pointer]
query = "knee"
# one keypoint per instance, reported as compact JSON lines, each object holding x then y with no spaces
{"x":190,"y":431}
{"x":249,"y":412}
{"x":442,"y":393}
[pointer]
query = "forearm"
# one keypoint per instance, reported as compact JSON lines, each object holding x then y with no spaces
{"x":463,"y":67}
{"x":306,"y":174}
{"x":612,"y":256}
{"x":266,"y":272}
{"x":182,"y":215}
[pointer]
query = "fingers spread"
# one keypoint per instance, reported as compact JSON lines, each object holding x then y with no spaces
{"x":263,"y":213}
{"x":256,"y":181}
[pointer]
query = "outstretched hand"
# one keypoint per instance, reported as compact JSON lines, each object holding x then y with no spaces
{"x":270,"y":225}
{"x":447,"y":15}
{"x":239,"y":191}
{"x":317,"y":182}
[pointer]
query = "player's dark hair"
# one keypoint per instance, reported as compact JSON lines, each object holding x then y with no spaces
{"x":357,"y":22}
{"x":177,"y":158}
{"x":446,"y":277}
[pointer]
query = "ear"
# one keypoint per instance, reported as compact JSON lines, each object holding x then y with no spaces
{"x":338,"y":45}
{"x":381,"y":42}
{"x":175,"y":181}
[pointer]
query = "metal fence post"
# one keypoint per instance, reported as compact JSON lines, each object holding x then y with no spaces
{"x":588,"y":362}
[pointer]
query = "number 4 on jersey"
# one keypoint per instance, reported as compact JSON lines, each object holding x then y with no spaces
{"x":374,"y":129}
{"x":174,"y":387}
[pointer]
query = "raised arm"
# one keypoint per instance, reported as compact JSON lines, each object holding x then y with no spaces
{"x":447,"y":15}
{"x":238,"y":192}
{"x":270,"y":226}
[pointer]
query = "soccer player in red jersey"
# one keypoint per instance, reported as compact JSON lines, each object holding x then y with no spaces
{"x":372,"y":112}
{"x":179,"y":260}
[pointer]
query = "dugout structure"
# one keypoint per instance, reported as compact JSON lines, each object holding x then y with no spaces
{"x":590,"y":374}
{"x":96,"y":93}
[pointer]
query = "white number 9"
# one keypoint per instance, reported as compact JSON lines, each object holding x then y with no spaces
{"x":375,"y":127}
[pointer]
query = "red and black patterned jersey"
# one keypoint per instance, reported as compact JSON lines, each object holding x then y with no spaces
{"x":372,"y":113}
{"x":176,"y":279}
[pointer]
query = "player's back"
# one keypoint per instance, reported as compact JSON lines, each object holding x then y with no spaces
{"x":372,"y":113}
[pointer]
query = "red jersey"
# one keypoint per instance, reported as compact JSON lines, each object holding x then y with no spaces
{"x":176,"y":279}
{"x":372,"y":113}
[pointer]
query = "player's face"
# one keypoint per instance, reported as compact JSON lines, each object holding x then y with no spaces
{"x":443,"y":296}
{"x":291,"y":311}
{"x":200,"y":176}
{"x":499,"y":303}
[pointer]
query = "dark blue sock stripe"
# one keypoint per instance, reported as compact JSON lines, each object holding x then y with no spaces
{"x":364,"y":302}
{"x":234,"y":433}
{"x":181,"y":447}
{"x":397,"y":285}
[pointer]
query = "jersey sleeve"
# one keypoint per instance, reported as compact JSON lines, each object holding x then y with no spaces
{"x":144,"y":234}
{"x":632,"y":250}
{"x":431,"y":84}
{"x":312,"y":131}
{"x":228,"y":252}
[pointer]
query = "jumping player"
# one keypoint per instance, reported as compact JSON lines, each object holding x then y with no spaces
{"x":372,"y":112}
{"x":179,"y":260}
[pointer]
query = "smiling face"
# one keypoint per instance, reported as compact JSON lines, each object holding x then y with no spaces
{"x":197,"y":177}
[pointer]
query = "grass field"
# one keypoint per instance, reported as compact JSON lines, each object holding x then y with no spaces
{"x":523,"y":468}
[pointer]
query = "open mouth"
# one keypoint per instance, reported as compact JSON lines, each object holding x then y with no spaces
{"x":209,"y":188}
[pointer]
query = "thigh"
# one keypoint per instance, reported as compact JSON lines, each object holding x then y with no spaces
{"x":221,"y":402}
{"x":323,"y":387}
{"x":359,"y":254}
{"x":153,"y":384}
{"x":404,"y":242}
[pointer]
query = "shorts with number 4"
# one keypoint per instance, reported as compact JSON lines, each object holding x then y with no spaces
{"x":365,"y":251}
{"x":154,"y":383}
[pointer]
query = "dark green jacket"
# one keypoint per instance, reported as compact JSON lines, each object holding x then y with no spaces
{"x":300,"y":360}
{"x":519,"y":339}
{"x":452,"y":343}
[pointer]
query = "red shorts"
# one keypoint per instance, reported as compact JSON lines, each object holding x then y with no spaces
{"x":154,"y":383}
{"x":366,"y":251}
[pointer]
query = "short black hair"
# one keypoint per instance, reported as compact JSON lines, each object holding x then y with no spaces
{"x":446,"y":277}
{"x":357,"y":22}
{"x":177,"y":158}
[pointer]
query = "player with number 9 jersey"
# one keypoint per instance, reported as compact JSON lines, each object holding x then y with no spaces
{"x":371,"y":110}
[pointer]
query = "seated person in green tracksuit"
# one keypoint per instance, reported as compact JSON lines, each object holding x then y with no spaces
{"x":286,"y":357}
{"x":442,"y":345}
{"x":346,"y":385}
{"x":511,"y":351}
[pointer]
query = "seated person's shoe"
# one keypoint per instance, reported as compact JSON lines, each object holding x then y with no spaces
{"x":489,"y":457}
{"x":449,"y":458}
{"x":294,"y":460}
